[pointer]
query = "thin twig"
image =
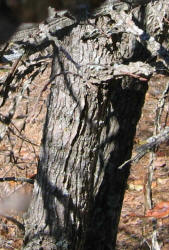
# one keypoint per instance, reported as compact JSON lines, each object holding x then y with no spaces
{"x":16,"y":222}
{"x":17,"y":179}
{"x":21,"y":137}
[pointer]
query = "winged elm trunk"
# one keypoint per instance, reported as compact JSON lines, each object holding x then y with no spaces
{"x":88,"y":133}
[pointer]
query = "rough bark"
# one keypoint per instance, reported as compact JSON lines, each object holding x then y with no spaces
{"x":88,"y":134}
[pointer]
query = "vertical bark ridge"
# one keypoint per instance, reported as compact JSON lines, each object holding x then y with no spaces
{"x":89,"y":130}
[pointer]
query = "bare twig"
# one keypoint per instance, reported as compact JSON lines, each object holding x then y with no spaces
{"x":152,"y":142}
{"x":16,"y":222}
{"x":17,"y":179}
{"x":22,"y":137}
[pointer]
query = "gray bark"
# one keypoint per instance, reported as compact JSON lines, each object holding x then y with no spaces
{"x":88,"y":134}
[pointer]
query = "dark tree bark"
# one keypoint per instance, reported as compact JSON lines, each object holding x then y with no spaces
{"x":88,"y":134}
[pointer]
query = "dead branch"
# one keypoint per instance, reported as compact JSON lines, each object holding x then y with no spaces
{"x":152,"y":142}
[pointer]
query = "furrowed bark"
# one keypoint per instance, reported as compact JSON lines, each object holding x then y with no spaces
{"x":88,"y":134}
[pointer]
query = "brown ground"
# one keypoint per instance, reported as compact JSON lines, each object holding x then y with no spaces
{"x":135,"y":232}
{"x":19,"y":157}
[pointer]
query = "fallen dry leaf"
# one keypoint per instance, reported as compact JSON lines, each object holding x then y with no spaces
{"x":161,"y":210}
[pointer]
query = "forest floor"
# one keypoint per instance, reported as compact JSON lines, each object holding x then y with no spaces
{"x":135,"y":229}
{"x":19,"y":151}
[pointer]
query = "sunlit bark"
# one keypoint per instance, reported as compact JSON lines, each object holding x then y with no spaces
{"x":88,"y":134}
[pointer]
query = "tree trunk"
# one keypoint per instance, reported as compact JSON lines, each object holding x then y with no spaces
{"x":88,"y":134}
